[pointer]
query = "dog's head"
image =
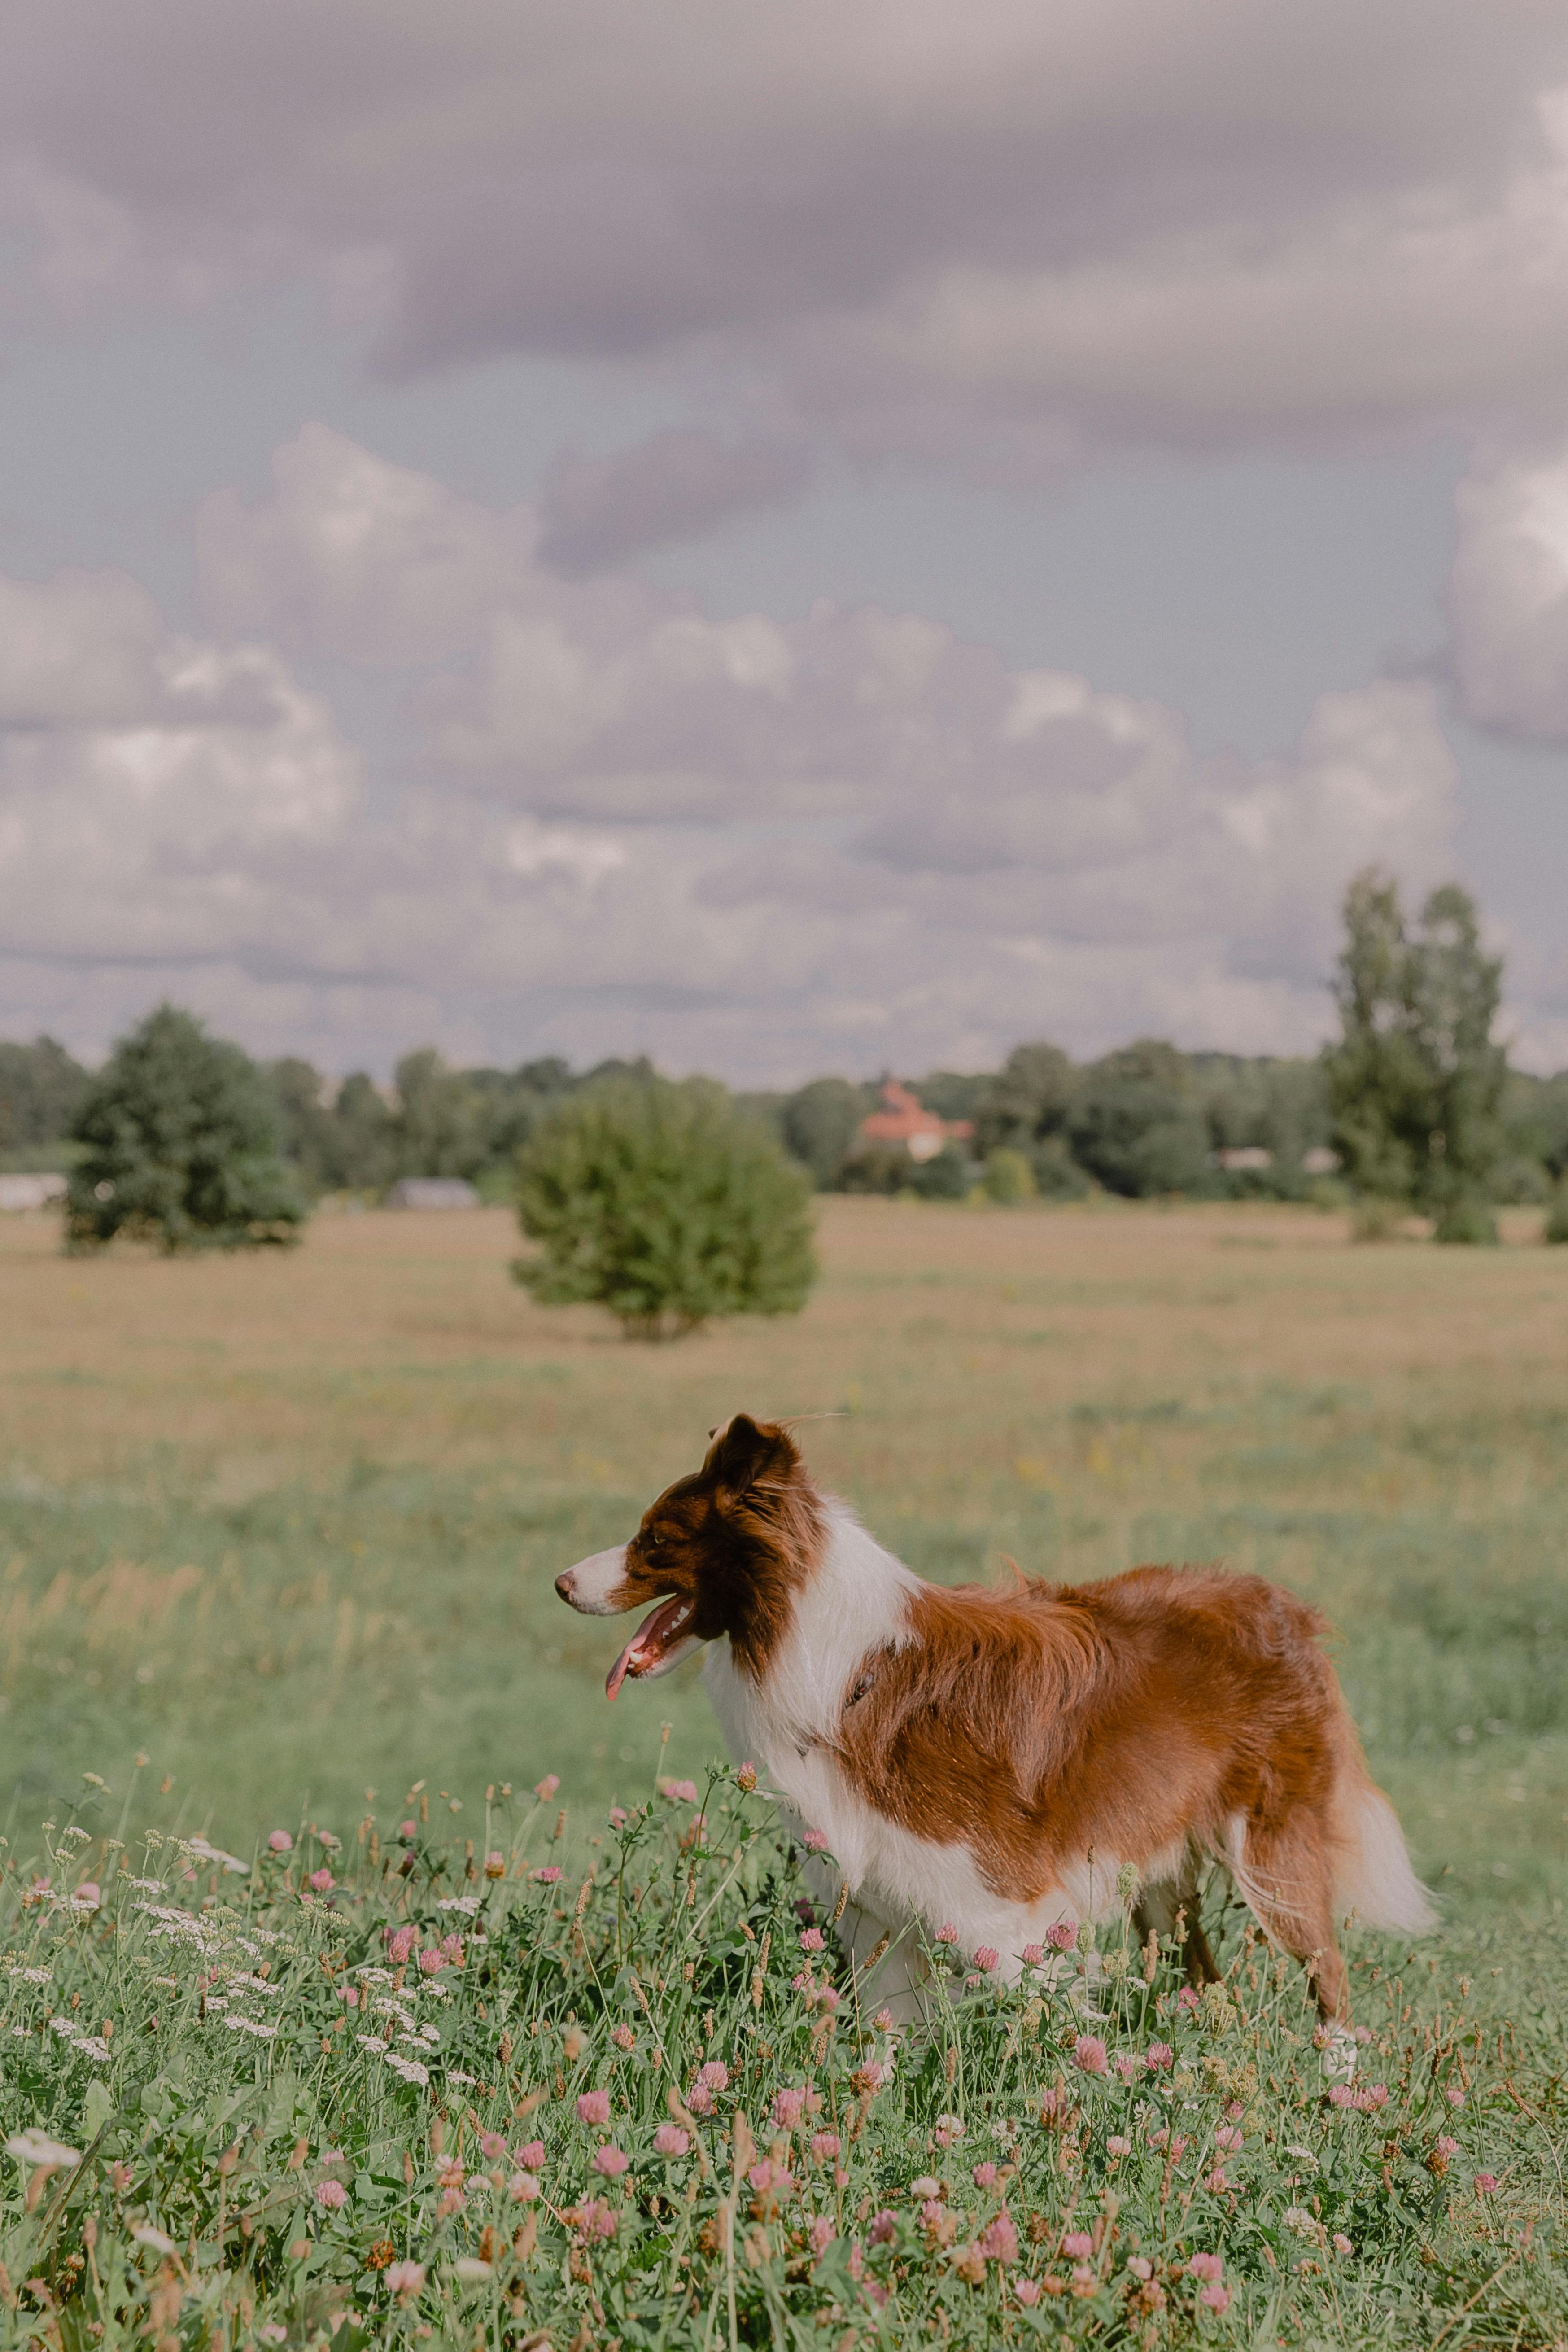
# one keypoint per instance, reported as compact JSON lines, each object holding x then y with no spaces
{"x":721,"y":1553}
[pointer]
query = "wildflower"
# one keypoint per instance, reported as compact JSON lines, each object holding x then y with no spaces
{"x":1341,"y":2243}
{"x":1063,"y":1936}
{"x":1028,"y":2291}
{"x":814,"y":1940}
{"x":670,"y":2140}
{"x":452,"y":1950}
{"x":824,"y":2146}
{"x":769,"y":2179}
{"x":146,"y":2235}
{"x":1217,"y":2182}
{"x":1032,"y":1956}
{"x":787,"y":2108}
{"x":1453,"y":2095}
{"x":746,"y":1777}
{"x":1053,"y":2105}
{"x":322,"y":1882}
{"x":332,"y":2195}
{"x":947,"y":1933}
{"x":610,"y":2161}
{"x":405,"y":2278}
{"x":88,"y":1895}
{"x":1217,"y":2297}
{"x":884,"y":2229}
{"x":699,"y":2099}
{"x":522,"y":2187}
{"x":985,"y":2174}
{"x":624,"y":2038}
{"x":987,"y":1958}
{"x":1446,"y":2147}
{"x":1190,"y":2000}
{"x":1000,"y":2242}
{"x":947,"y":2129}
{"x":409,"y":2068}
{"x":279,"y":1842}
{"x":816,"y":1841}
{"x":548,"y":1875}
{"x":593,"y":2107}
{"x":544,"y":1790}
{"x":532,"y":2157}
{"x":495,"y":1863}
{"x":1485,"y":2183}
{"x":1206,"y":2266}
{"x":714,"y":2075}
{"x":869,"y":2077}
{"x":821,"y":2234}
{"x":593,"y":2218}
{"x":1158,"y":2054}
{"x":1089,"y":2053}
{"x":1128,"y":2064}
{"x":1228,"y":2138}
{"x":408,"y":1832}
{"x":1117,"y":2145}
{"x":1141,"y":2266}
{"x":679,"y":1793}
{"x":400,"y":1942}
{"x":431,"y":1962}
{"x":1078,"y":2245}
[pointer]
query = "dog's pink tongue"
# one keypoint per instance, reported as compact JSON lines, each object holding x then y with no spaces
{"x":647,"y":1644}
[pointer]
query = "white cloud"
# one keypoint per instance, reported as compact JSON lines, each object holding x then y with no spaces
{"x":759,"y":846}
{"x":1508,"y":595}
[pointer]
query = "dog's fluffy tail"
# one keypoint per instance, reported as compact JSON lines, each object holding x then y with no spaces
{"x":1375,"y":1879}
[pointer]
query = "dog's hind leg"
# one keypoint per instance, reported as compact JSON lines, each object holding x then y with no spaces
{"x":1171,"y":1908}
{"x":1285,"y":1877}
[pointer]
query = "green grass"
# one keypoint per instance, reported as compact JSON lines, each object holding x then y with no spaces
{"x":1042,"y":2163}
{"x":289,"y":1530}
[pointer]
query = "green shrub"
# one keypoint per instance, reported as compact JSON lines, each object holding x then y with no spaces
{"x":665,"y":1204}
{"x":179,"y":1137}
{"x":1557,"y":1214}
{"x":1009,"y":1178}
{"x":1466,"y":1218}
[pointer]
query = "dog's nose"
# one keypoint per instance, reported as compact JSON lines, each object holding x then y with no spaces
{"x":563,"y":1584}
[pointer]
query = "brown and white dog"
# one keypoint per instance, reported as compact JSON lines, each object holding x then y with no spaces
{"x":993,"y":1760}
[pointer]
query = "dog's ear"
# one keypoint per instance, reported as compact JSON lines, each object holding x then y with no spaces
{"x":743,"y":1450}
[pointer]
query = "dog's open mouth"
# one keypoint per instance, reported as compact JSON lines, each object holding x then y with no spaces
{"x":650,"y":1644}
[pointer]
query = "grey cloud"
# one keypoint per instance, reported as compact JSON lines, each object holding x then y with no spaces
{"x":994,"y":236}
{"x":1508,"y":594}
{"x":673,"y":486}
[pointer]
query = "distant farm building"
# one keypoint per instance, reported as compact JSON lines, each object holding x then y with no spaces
{"x":18,"y":1192}
{"x":905,"y":1120}
{"x":432,"y":1193}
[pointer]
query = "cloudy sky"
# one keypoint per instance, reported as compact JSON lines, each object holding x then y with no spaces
{"x":789,"y":537}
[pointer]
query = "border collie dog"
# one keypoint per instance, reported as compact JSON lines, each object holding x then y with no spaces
{"x":993,"y":1760}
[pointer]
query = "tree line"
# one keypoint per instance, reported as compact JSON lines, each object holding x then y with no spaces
{"x":1414,"y":1100}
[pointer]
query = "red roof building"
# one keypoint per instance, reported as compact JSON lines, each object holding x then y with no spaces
{"x":905,"y":1120}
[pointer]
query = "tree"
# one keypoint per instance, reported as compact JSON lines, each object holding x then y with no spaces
{"x":41,"y":1088}
{"x":305,"y":1125}
{"x":179,"y":1133}
{"x":1416,"y":1080}
{"x":363,"y":1143}
{"x":819,"y":1125}
{"x":665,"y":1204}
{"x":1135,"y":1124}
{"x":440,"y":1123}
{"x":1027,"y":1102}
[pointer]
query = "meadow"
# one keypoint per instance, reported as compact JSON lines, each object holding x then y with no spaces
{"x":285,"y":1528}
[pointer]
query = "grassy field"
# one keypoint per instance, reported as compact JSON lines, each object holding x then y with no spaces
{"x":285,"y":1529}
{"x":288,"y":1525}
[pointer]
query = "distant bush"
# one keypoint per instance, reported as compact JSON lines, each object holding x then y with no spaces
{"x":1008,"y":1178}
{"x":666,"y":1205}
{"x":1557,"y":1214}
{"x":179,"y":1140}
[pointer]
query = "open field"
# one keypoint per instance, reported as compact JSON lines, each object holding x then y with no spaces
{"x":287,"y":1526}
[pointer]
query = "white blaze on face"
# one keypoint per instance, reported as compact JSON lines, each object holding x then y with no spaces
{"x":591,"y":1583}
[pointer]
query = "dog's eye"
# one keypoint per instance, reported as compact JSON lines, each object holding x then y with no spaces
{"x":652,"y":1540}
